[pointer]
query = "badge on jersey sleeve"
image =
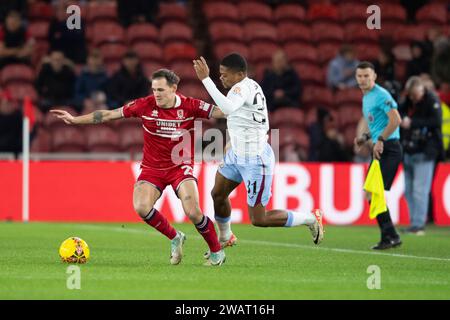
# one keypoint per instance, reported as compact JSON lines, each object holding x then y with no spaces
{"x":237,"y":90}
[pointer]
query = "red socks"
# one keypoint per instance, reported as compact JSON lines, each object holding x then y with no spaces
{"x":160,"y":223}
{"x":206,"y":228}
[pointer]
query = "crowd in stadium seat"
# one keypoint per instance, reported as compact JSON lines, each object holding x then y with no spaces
{"x":107,"y":62}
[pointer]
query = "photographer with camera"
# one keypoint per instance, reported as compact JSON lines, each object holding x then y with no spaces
{"x":422,"y":144}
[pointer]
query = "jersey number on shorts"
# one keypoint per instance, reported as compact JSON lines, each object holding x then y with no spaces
{"x":187,"y":170}
{"x":251,"y":186}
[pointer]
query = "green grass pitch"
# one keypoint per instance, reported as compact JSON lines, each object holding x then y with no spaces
{"x":131,"y":261}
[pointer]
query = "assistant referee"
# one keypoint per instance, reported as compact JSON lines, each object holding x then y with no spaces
{"x":383,"y":119}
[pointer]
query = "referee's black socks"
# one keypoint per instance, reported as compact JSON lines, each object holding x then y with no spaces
{"x":387,"y":227}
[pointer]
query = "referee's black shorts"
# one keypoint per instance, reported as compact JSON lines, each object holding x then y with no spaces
{"x":390,"y":159}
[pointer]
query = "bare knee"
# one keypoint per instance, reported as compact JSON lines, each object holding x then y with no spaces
{"x":142,"y":208}
{"x":258,"y":221}
{"x":194,"y":214}
{"x":218,"y":195}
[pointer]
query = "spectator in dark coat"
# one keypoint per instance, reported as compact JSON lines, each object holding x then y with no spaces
{"x":326,"y":144}
{"x":72,"y":42}
{"x":10,"y":124}
{"x":93,"y":78}
{"x":16,"y":43}
{"x":419,"y":63}
{"x":281,"y":84}
{"x":129,"y":82}
{"x":7,"y":6}
{"x":385,"y":66}
{"x":55,"y":82}
{"x":137,"y":11}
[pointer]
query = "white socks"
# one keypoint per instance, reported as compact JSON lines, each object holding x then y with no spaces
{"x":299,"y":218}
{"x":224,"y":226}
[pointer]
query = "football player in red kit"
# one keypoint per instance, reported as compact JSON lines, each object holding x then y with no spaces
{"x":166,"y":117}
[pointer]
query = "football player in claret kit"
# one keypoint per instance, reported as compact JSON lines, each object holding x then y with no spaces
{"x":250,"y":158}
{"x":166,"y":116}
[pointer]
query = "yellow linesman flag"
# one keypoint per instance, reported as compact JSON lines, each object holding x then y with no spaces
{"x":374,"y":184}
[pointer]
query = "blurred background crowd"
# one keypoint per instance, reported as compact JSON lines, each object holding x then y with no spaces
{"x":303,"y":53}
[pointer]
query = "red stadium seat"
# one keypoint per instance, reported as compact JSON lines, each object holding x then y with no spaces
{"x":185,"y":71}
{"x":257,"y":70}
{"x":16,"y":73}
{"x":179,"y":51}
{"x":293,"y":32}
{"x":195,"y":90}
{"x":150,"y":67}
{"x":113,"y":51}
{"x":107,"y":32}
{"x":20,"y":90}
{"x":42,"y":141}
{"x":142,"y":32}
{"x":326,"y":32}
{"x":287,"y":117}
{"x":131,"y":139}
{"x":388,"y":29}
{"x":294,"y":136}
{"x":39,"y":30}
{"x":402,"y":52}
{"x":39,"y":51}
{"x":262,"y":51}
{"x":101,"y":11}
{"x":260,"y":31}
{"x":175,"y":31}
{"x":255,"y":11}
{"x":225,"y":48}
{"x":68,"y":139}
{"x":406,"y":34}
{"x":101,"y":138}
{"x":298,"y":52}
{"x":289,"y":12}
{"x":221,"y":11}
{"x":126,"y":123}
{"x":148,"y":51}
{"x":40,"y":11}
{"x":393,"y":12}
{"x":432,"y":13}
{"x":172,"y":12}
{"x":310,"y":74}
{"x":357,"y":32}
{"x":349,"y":115}
{"x":322,"y":12}
{"x":354,"y":11}
{"x":317,"y":96}
{"x":226,"y":31}
{"x":367,"y":51}
{"x":351,"y":96}
{"x":327,"y":51}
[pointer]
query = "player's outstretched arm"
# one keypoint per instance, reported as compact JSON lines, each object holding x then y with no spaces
{"x":95,"y":117}
{"x":227,"y":105}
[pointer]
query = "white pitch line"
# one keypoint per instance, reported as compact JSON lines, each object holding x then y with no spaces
{"x":279,"y":244}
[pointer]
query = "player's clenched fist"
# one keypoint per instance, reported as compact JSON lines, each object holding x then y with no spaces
{"x":64,"y":115}
{"x":201,"y":68}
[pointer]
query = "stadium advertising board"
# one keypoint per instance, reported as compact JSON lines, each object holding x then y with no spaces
{"x":102,"y":191}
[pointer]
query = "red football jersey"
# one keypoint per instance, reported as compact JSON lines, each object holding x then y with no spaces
{"x":163,"y":129}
